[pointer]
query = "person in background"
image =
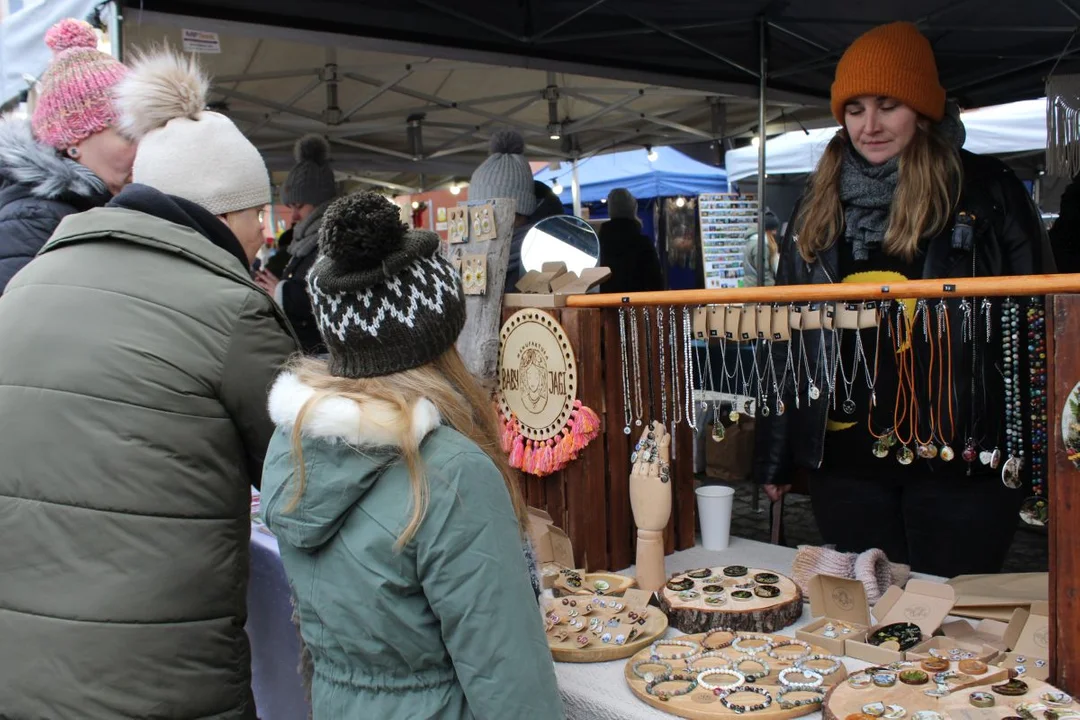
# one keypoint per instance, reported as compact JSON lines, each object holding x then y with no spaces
{"x":400,"y":524}
{"x":69,"y":157}
{"x":308,"y":190}
{"x":889,"y":201}
{"x":1065,"y":233}
{"x":629,"y":255}
{"x":133,"y":424}
{"x":506,"y":175}
{"x":276,"y":263}
{"x":750,"y":253}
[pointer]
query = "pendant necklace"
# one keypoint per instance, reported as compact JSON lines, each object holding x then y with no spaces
{"x":729,"y":381}
{"x":661,"y":341}
{"x":1014,"y":423}
{"x":904,"y":402}
{"x":778,"y":386}
{"x":945,"y":370}
{"x":925,"y":449}
{"x":677,"y":343}
{"x":883,"y":442}
{"x":635,"y":350}
{"x":799,"y":367}
{"x":848,"y":382}
{"x":627,"y":412}
{"x":648,"y":385}
{"x":1035,"y":510}
{"x":688,"y":376}
{"x":762,"y":376}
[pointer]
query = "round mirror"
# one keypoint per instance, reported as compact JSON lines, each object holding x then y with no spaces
{"x":562,"y":238}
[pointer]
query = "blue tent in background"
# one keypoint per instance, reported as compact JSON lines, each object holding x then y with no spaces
{"x":671,"y":175}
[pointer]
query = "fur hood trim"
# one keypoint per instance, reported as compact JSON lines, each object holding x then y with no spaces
{"x":25,"y":161}
{"x":368,"y":424}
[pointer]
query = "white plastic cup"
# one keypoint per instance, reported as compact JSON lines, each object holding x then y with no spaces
{"x":714,"y":512}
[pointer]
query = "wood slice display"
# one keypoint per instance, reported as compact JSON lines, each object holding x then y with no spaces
{"x":844,"y":701}
{"x":609,"y":584}
{"x":691,"y":610}
{"x":568,"y":649}
{"x":702,"y":704}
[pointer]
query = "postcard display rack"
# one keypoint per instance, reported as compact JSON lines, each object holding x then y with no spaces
{"x":726,"y":219}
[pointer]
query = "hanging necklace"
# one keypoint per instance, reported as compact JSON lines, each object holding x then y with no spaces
{"x":883,"y":442}
{"x":661,"y":341}
{"x":945,"y":361}
{"x":1014,"y":422}
{"x":848,"y":382}
{"x":676,"y":384}
{"x":636,"y":367}
{"x":1035,"y":510}
{"x":628,"y":414}
{"x":779,"y":385}
{"x":925,"y":449}
{"x":904,"y":403}
{"x":688,"y":377}
{"x":649,"y":395}
{"x":762,"y":376}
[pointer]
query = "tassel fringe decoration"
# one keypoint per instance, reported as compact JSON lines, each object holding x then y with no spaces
{"x":544,"y":457}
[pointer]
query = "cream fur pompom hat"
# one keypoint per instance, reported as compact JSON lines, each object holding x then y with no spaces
{"x":184,"y":149}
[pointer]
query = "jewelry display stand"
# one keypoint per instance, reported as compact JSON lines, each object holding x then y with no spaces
{"x":704,"y":704}
{"x":609,"y":584}
{"x":844,"y":700}
{"x":756,"y":614}
{"x":569,"y":650}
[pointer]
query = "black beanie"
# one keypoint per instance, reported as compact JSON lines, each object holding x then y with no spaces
{"x":385,"y":299}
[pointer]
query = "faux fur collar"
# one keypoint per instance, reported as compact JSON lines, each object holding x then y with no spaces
{"x":25,"y":161}
{"x":359,"y":424}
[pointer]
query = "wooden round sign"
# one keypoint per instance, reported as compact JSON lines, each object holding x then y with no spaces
{"x":537,"y":374}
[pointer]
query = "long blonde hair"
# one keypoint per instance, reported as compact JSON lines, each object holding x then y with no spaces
{"x":448,"y":385}
{"x":928,"y":189}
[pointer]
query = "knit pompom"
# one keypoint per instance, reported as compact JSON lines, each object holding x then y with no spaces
{"x":359,"y":231}
{"x":160,"y":87}
{"x":507,"y":142}
{"x":312,"y":148}
{"x":70,"y":33}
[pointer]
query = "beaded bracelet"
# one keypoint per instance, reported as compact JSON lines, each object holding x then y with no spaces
{"x":736,"y":644}
{"x":740,"y":679}
{"x":655,"y":650}
{"x":754,"y":677}
{"x":706,"y":636}
{"x":666,"y":695}
{"x":690,"y":661}
{"x":832,"y":669}
{"x":725,"y":699}
{"x":807,"y":651}
{"x":816,"y":679}
{"x":792,"y":704}
{"x":648,"y":676}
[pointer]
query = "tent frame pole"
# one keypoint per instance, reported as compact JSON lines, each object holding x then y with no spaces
{"x":762,"y":257}
{"x":575,"y":186}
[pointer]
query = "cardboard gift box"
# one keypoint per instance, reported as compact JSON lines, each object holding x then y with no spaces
{"x":922,"y":603}
{"x":835,"y":600}
{"x":554,"y":551}
{"x":1028,"y":637}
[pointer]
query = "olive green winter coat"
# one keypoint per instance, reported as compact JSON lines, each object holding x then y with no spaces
{"x":134,"y":367}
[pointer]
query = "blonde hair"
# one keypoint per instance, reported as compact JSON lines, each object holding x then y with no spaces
{"x":928,"y":189}
{"x":448,"y":385}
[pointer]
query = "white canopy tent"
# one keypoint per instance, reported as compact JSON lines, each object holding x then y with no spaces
{"x":996,"y":130}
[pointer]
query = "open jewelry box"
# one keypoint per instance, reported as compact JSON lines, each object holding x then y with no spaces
{"x":840,"y":603}
{"x":550,"y":286}
{"x":923,"y":603}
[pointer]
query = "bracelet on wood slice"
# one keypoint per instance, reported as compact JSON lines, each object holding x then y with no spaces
{"x":786,"y":704}
{"x":835,"y":666}
{"x":648,"y":676}
{"x":666,"y":695}
{"x":740,"y":679}
{"x":725,"y":699}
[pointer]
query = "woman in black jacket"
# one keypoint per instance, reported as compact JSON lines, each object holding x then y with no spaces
{"x":893,"y":198}
{"x":629,"y":255}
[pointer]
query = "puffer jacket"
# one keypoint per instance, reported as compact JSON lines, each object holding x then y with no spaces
{"x":133,"y":423}
{"x":38,"y":189}
{"x":447,"y":628}
{"x":1009,"y":238}
{"x":292,"y":291}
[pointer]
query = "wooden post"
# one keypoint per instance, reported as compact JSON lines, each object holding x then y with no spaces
{"x":1063,"y":488}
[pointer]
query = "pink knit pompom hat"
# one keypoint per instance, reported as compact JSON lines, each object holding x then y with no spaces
{"x":75,"y":99}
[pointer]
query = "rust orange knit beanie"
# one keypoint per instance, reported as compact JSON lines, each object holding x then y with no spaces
{"x":893,"y":60}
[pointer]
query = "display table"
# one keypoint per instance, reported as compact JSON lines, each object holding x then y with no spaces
{"x":594,"y":691}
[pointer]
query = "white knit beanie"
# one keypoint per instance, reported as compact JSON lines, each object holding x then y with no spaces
{"x":185,"y":150}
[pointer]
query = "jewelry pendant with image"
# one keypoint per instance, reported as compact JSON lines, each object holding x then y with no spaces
{"x":1010,"y":473}
{"x":905,"y":456}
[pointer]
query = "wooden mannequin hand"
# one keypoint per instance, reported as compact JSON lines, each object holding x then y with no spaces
{"x":650,"y":480}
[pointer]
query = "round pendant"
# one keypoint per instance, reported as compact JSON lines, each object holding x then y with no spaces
{"x":814,"y":392}
{"x":626,"y":430}
{"x":765,"y":410}
{"x":1035,"y":511}
{"x":905,"y":456}
{"x":995,"y":459}
{"x":985,"y":456}
{"x":780,"y":409}
{"x":748,"y":407}
{"x":969,"y":454}
{"x":947,"y":453}
{"x":718,"y":432}
{"x":881,"y":449}
{"x":733,"y":416}
{"x":928,"y":452}
{"x":1010,"y":473}
{"x":638,"y":422}
{"x":849,"y":407}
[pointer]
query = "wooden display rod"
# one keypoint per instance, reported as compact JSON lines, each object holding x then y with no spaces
{"x":1011,"y":285}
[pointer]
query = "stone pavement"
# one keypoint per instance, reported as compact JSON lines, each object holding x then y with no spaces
{"x":1029,"y":552}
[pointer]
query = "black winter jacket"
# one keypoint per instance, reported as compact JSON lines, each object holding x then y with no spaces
{"x":38,"y":189}
{"x":1009,"y":239}
{"x":292,"y":293}
{"x":547,"y":205}
{"x":630,"y":256}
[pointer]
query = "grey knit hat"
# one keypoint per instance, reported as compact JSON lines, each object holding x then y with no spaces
{"x":311,"y":181}
{"x":385,"y":299}
{"x":621,"y":205}
{"x":505,"y":174}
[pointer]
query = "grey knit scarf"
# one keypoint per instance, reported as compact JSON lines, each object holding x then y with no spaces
{"x":866,"y":191}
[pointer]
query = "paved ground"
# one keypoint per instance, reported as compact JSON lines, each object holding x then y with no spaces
{"x":1028,"y":553}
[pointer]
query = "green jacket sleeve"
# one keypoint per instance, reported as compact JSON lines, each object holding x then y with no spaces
{"x":258,"y":349}
{"x":472,"y":568}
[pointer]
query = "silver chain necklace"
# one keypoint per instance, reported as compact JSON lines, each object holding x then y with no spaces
{"x":635,"y":351}
{"x":628,"y":415}
{"x":661,"y":341}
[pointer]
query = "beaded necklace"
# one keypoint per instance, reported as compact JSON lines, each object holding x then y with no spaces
{"x":1035,"y":509}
